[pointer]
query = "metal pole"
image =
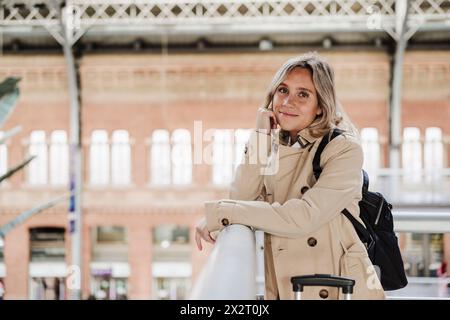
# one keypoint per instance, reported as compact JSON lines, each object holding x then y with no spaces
{"x":75,"y":214}
{"x":401,"y":8}
{"x":426,"y":251}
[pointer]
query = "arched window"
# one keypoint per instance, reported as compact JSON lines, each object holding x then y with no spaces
{"x":59,"y":158}
{"x":160,"y":158}
{"x":222,"y":157}
{"x":411,"y":155}
{"x":181,"y":157}
{"x":38,"y":167}
{"x":433,"y":154}
{"x":99,"y":158}
{"x":120,"y":158}
{"x":371,"y":148}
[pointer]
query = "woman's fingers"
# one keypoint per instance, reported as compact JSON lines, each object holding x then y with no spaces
{"x":205,"y":235}
{"x":273,"y":121}
{"x":266,"y":119}
{"x":211,"y":239}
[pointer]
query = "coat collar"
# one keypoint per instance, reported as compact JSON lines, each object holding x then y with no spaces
{"x":304,"y":138}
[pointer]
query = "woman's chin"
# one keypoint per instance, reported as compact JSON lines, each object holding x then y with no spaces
{"x":286,"y":127}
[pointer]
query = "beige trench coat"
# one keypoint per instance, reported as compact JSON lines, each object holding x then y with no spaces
{"x":274,"y":190}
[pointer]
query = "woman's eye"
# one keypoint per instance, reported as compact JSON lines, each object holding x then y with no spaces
{"x":303,"y":94}
{"x":282,"y":90}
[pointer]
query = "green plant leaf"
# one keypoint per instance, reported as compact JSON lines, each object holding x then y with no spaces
{"x":8,"y":85}
{"x":13,"y":170}
{"x":9,"y":93}
{"x":29,"y":213}
{"x":7,"y":103}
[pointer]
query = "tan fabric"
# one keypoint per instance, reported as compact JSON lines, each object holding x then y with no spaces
{"x":305,"y":233}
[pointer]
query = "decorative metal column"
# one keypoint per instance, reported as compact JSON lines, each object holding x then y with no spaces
{"x":395,"y":122}
{"x":68,"y":19}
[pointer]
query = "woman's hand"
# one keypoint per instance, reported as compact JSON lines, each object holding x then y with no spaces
{"x":201,"y":232}
{"x":265,"y":120}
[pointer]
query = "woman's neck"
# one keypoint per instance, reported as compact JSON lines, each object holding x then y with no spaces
{"x":293,"y":135}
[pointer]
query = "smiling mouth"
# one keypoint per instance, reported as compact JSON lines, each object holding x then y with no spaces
{"x":288,"y":114}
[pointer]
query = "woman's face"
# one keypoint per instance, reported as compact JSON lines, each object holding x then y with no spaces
{"x":295,"y":101}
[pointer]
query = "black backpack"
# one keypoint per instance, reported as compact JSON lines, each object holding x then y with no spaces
{"x":378,"y":233}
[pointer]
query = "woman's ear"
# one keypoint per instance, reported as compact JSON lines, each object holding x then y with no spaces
{"x":319,"y":111}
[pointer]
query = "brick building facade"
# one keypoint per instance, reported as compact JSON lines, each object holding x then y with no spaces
{"x":141,"y":93}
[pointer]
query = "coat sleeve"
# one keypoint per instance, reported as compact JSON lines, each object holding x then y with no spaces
{"x":339,"y":184}
{"x":249,"y":176}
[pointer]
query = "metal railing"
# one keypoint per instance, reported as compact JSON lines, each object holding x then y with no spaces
{"x":231,"y":269}
{"x":422,"y":220}
{"x":423,"y":288}
{"x":230,"y":272}
{"x":420,"y":188}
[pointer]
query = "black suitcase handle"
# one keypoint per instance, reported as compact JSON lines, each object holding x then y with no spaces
{"x":325,"y":280}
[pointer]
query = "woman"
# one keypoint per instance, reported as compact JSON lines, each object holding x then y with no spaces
{"x":305,"y":233}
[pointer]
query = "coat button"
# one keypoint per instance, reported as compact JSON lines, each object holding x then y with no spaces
{"x":225,"y":222}
{"x":304,"y":189}
{"x":323,"y":294}
{"x":312,"y":242}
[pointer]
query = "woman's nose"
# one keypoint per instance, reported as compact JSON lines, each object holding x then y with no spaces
{"x":286,"y":100}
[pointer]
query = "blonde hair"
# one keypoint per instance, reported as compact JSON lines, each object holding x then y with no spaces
{"x":332,"y":115}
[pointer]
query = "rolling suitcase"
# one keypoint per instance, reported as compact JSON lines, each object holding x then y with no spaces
{"x":325,"y":280}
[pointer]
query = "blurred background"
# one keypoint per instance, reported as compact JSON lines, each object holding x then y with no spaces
{"x":105,"y":93}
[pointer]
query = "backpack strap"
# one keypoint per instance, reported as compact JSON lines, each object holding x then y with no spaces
{"x":362,"y":232}
{"x":316,"y":161}
{"x":325,"y":140}
{"x":365,"y":181}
